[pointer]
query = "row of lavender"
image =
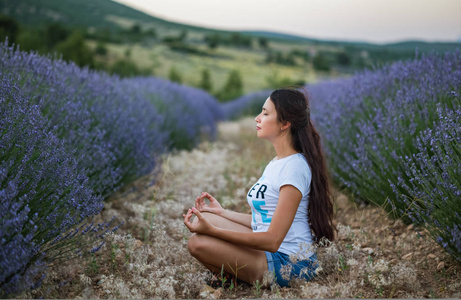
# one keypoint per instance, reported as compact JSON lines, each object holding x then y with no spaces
{"x":393,"y":138}
{"x":69,"y":137}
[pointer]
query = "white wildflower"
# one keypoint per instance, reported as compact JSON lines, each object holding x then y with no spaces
{"x":352,"y":262}
{"x":85,"y":280}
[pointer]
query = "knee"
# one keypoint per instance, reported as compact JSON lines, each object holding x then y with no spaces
{"x":196,"y":244}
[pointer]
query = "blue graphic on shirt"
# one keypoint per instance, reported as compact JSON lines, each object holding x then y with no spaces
{"x":257,"y":205}
{"x":260,"y":189}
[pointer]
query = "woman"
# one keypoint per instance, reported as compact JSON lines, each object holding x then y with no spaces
{"x":291,"y":205}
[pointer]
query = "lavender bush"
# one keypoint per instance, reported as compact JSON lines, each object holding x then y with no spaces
{"x":69,"y":138}
{"x":435,"y":180}
{"x":41,"y":194}
{"x":116,"y":127}
{"x":379,"y":129}
{"x":190,"y":114}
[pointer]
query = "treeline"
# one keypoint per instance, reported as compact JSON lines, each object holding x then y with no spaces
{"x":234,"y":40}
{"x":233,"y":87}
{"x":69,"y":44}
{"x":349,"y":57}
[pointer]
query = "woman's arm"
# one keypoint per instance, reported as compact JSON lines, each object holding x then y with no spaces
{"x":240,"y":218}
{"x":283,"y":217}
{"x":216,"y":208}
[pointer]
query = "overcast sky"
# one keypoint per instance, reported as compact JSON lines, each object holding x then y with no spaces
{"x":378,"y":21}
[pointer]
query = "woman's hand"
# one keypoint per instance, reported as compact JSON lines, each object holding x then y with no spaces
{"x":201,"y":225}
{"x":214,"y":206}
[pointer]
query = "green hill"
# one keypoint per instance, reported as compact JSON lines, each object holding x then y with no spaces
{"x":84,"y":13}
{"x":110,"y":14}
{"x":128,"y":42}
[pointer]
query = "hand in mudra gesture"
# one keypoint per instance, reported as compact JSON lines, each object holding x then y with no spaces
{"x":200,"y":225}
{"x":214,"y":206}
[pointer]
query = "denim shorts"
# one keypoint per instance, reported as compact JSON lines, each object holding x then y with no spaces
{"x":285,"y":270}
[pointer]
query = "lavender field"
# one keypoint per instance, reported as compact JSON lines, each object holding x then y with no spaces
{"x":374,"y":257}
{"x":99,"y":169}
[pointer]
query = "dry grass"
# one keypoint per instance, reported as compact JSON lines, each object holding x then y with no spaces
{"x":373,"y":257}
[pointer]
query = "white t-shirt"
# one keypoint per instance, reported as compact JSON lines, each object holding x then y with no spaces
{"x":263,"y":197}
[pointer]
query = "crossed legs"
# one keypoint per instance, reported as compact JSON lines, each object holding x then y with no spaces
{"x":215,"y":253}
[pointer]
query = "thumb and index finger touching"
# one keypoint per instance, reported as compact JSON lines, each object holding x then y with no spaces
{"x":208,"y":196}
{"x":200,"y":201}
{"x":187,"y":217}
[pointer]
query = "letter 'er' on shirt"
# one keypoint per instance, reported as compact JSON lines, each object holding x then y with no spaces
{"x":263,"y":196}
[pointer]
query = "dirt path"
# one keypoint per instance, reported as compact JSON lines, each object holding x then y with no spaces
{"x":373,"y":257}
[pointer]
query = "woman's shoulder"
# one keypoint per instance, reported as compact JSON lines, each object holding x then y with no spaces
{"x":296,"y":171}
{"x":296,"y":162}
{"x":297,"y":159}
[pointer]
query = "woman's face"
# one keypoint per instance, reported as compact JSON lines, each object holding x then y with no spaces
{"x":267,"y":125}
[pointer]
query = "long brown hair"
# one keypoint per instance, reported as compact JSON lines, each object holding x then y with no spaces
{"x":293,"y":106}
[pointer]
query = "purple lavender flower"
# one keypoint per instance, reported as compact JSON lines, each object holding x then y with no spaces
{"x":391,"y":140}
{"x":41,"y":195}
{"x":116,"y":128}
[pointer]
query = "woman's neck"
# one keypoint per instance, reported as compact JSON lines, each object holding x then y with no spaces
{"x":283,"y":147}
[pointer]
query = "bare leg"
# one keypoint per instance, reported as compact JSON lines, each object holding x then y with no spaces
{"x":215,"y":253}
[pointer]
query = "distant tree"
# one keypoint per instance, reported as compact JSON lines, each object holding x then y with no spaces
{"x":205,"y":82}
{"x":362,"y":63}
{"x":104,"y":34}
{"x":263,"y":42}
{"x":213,"y":40}
{"x":176,"y":39}
{"x":135,"y":33}
{"x":239,"y":40}
{"x":289,"y":59}
{"x":280,"y":58}
{"x":236,"y":38}
{"x":182,"y":36}
{"x":174,"y":75}
{"x":275,"y":81}
{"x":101,"y":48}
{"x":127,"y":53}
{"x":31,"y":40}
{"x":270,"y":56}
{"x":304,"y":55}
{"x":321,"y":62}
{"x":127,"y":68}
{"x":151,"y":32}
{"x":343,"y":58}
{"x":169,"y":39}
{"x":9,"y":27}
{"x":54,"y":34}
{"x":136,"y":29}
{"x":124,"y":68}
{"x":75,"y":49}
{"x":233,"y":88}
